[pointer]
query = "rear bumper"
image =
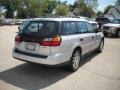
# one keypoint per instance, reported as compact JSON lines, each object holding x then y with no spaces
{"x":51,"y":59}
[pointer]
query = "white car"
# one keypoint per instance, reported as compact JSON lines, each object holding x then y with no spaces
{"x":112,"y":28}
{"x":18,"y":21}
{"x":57,"y":41}
{"x":8,"y":22}
{"x":92,"y":22}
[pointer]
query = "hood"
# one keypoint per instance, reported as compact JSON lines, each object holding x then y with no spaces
{"x":112,"y":25}
{"x":92,"y":22}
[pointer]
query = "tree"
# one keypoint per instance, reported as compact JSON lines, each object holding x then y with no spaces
{"x":90,"y":3}
{"x":99,"y":13}
{"x":71,"y":8}
{"x":90,"y":12}
{"x":83,"y":9}
{"x":36,"y":8}
{"x":107,"y":9}
{"x":7,"y":5}
{"x":50,"y":7}
{"x":28,"y":8}
{"x":62,"y":9}
{"x":22,"y":13}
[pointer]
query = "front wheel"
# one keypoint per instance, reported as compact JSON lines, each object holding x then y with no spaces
{"x":118,"y":34}
{"x":75,"y":61}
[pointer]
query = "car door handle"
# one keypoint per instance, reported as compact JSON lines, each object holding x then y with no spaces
{"x":81,"y":39}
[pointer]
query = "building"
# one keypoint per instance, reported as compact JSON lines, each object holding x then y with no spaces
{"x":114,"y":12}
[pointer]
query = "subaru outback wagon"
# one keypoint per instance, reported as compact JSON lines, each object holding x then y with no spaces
{"x":57,"y":41}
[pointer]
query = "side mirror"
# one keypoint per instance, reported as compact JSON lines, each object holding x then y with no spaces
{"x":18,"y":27}
{"x":97,"y":30}
{"x":19,"y":30}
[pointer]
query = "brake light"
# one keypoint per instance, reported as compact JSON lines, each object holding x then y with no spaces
{"x":17,"y":40}
{"x":56,"y":41}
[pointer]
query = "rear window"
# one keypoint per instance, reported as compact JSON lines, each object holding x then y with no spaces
{"x":41,"y":28}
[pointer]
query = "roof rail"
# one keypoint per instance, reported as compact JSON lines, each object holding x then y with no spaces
{"x":59,"y":17}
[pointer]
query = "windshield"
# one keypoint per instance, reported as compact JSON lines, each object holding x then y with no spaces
{"x":118,"y":20}
{"x":115,"y":21}
{"x":40,"y":28}
{"x":86,"y":18}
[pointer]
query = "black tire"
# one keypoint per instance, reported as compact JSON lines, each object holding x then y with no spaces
{"x":118,"y":34}
{"x":101,"y":46}
{"x":74,"y":64}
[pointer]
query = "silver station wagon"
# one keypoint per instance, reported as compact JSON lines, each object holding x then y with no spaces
{"x":57,"y":41}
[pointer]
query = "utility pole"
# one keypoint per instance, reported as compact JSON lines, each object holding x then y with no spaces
{"x":78,"y":8}
{"x":12,"y":8}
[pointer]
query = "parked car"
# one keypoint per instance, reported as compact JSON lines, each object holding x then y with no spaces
{"x":18,"y":22}
{"x":57,"y":41}
{"x":102,"y":20}
{"x":112,"y":28}
{"x":8,"y":22}
{"x":92,"y":22}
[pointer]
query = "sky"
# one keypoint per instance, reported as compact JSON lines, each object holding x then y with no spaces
{"x":101,"y":3}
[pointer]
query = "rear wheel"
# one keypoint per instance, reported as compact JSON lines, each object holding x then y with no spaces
{"x":75,"y":61}
{"x":118,"y":34}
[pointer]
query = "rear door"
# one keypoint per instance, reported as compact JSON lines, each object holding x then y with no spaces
{"x":33,"y":34}
{"x":68,"y":33}
{"x":84,"y":37}
{"x":93,"y":35}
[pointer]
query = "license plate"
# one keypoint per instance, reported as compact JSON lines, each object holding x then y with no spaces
{"x":30,"y":46}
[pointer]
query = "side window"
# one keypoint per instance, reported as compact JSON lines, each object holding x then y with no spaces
{"x":90,"y":27}
{"x":68,"y":28}
{"x":82,"y":27}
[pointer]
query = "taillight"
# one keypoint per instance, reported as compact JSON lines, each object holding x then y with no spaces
{"x":17,"y":40}
{"x":56,"y":41}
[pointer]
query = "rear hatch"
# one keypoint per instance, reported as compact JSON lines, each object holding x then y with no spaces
{"x":33,"y":34}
